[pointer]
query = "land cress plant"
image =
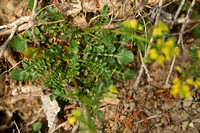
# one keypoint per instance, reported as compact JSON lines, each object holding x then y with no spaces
{"x":89,"y":59}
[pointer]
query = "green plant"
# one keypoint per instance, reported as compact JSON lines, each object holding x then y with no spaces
{"x":87,"y":59}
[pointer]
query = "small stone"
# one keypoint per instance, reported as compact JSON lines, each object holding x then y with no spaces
{"x":191,"y":124}
{"x":114,"y":127}
{"x":185,"y":125}
{"x":196,"y":120}
{"x":121,"y":118}
{"x":198,"y":109}
{"x":187,"y":102}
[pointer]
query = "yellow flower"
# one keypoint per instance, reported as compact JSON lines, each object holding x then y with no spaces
{"x":175,"y":87}
{"x":157,"y":31}
{"x":185,"y":91}
{"x":159,"y":42}
{"x":170,"y":42}
{"x":198,"y":54}
{"x":180,"y":88}
{"x":197,"y":82}
{"x":71,"y":120}
{"x":160,"y":60}
{"x":165,"y":50}
{"x":153,"y":53}
{"x":133,"y":23}
{"x":76,"y":112}
{"x":190,"y":81}
{"x":178,"y":69}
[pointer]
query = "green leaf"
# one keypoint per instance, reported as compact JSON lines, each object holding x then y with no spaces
{"x":128,"y":74}
{"x":18,"y":44}
{"x":125,"y":56}
{"x":36,"y":126}
{"x":63,"y":37}
{"x":185,"y":6}
{"x":113,"y":89}
{"x":197,"y":31}
{"x":49,"y":9}
{"x":37,"y":31}
{"x":31,"y":4}
{"x":105,"y":9}
{"x":30,"y":52}
{"x":28,"y":33}
{"x":74,"y":43}
{"x":43,"y":38}
{"x":99,"y":114}
{"x":16,"y":74}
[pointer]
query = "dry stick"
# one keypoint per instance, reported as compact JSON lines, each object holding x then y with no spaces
{"x":13,"y":66}
{"x":33,"y":15}
{"x":148,"y":118}
{"x":16,"y":127}
{"x":148,"y":48}
{"x":143,"y":64}
{"x":179,"y":39}
{"x":8,"y":40}
{"x":177,"y":13}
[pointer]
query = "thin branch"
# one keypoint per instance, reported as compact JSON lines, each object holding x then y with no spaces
{"x":179,"y":39}
{"x":16,"y":127}
{"x":33,"y":15}
{"x":148,"y":118}
{"x":13,"y":66}
{"x":148,"y":48}
{"x":177,"y":13}
{"x":8,"y":40}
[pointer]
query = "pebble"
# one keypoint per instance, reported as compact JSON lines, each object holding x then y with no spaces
{"x":198,"y":109}
{"x":185,"y":125}
{"x":191,"y":124}
{"x":187,"y":102}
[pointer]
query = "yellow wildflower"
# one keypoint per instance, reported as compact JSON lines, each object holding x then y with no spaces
{"x":175,"y":87}
{"x":76,"y":112}
{"x":197,"y":83}
{"x":157,"y":31}
{"x":153,"y":53}
{"x":175,"y":51}
{"x":178,"y":69}
{"x":133,"y":23}
{"x":160,"y":59}
{"x":170,"y":42}
{"x":159,"y":42}
{"x":190,"y":81}
{"x":180,"y":88}
{"x":185,"y":91}
{"x":71,"y":120}
{"x":198,"y":54}
{"x":165,"y":50}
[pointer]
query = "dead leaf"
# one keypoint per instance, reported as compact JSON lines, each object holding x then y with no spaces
{"x":50,"y":108}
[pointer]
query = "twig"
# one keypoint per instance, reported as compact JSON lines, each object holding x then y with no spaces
{"x":16,"y":127}
{"x":148,"y":48}
{"x":179,"y":39}
{"x":32,"y":17}
{"x":58,"y":127}
{"x":8,"y":40}
{"x":36,"y":117}
{"x":177,"y":13}
{"x":169,"y":3}
{"x":75,"y":128}
{"x":13,"y":66}
{"x":192,"y":28}
{"x":148,"y":118}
